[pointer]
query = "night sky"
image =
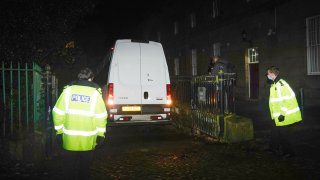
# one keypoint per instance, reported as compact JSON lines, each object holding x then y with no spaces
{"x":115,"y":20}
{"x":119,"y":17}
{"x":111,"y":21}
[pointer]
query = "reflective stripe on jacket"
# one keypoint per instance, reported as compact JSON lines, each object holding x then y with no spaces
{"x":80,"y":115}
{"x":283,"y":102}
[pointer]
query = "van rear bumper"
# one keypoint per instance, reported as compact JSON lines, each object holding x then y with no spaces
{"x":156,"y":114}
{"x":145,"y":109}
{"x":138,"y":123}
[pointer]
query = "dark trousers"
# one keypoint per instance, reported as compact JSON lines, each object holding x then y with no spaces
{"x":282,"y":139}
{"x":76,"y":164}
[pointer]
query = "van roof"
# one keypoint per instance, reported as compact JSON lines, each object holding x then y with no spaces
{"x":137,"y":41}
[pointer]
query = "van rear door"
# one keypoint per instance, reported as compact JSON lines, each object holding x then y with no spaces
{"x":128,"y":89}
{"x":153,"y":79}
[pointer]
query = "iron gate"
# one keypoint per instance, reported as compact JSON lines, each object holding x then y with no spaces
{"x":210,"y":99}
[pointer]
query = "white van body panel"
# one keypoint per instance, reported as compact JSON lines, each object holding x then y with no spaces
{"x":139,"y":74}
{"x":125,"y":67}
{"x":153,"y":74}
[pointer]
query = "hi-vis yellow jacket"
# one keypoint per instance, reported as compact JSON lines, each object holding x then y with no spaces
{"x":80,"y":115}
{"x":283,"y":102}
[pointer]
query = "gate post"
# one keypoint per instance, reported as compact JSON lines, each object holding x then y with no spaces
{"x":221,"y":93}
{"x":48,"y":121}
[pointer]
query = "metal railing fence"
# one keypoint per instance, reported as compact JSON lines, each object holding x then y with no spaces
{"x":181,"y":89}
{"x":210,"y":99}
{"x":24,"y":97}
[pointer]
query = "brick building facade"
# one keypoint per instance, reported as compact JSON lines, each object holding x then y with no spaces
{"x":251,"y":34}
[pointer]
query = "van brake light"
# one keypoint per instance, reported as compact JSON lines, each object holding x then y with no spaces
{"x":169,"y":100}
{"x":110,"y":94}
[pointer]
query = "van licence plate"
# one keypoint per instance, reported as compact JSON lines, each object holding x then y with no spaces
{"x":131,"y":108}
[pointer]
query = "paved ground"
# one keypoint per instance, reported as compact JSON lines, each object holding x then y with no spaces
{"x":258,"y":111}
{"x":164,"y":153}
{"x":307,"y":134}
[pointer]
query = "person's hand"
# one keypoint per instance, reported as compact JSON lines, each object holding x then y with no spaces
{"x":281,"y":118}
{"x":100,"y":141}
{"x":59,"y":139}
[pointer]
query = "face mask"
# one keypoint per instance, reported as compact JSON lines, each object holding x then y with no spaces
{"x":269,"y":77}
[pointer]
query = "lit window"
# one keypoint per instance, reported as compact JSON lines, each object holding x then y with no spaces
{"x":193,"y":20}
{"x":176,"y":66}
{"x":215,"y":8}
{"x":176,"y":30}
{"x":253,"y":55}
{"x":194,"y":61}
{"x":216,"y":49}
{"x":313,"y":45}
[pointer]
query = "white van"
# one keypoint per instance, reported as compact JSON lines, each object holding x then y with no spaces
{"x":138,"y":87}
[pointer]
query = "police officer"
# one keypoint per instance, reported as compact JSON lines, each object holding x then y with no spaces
{"x":217,"y":64}
{"x":285,"y":113}
{"x":79,"y":117}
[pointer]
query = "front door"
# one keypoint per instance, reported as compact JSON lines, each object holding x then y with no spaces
{"x":254,"y":81}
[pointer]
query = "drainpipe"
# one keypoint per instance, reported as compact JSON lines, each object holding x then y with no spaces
{"x":301,"y":95}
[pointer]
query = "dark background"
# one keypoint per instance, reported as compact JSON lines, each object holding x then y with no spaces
{"x":38,"y":31}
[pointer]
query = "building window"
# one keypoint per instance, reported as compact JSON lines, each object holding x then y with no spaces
{"x":193,"y":20}
{"x":159,"y":36}
{"x":176,"y":66}
{"x":194,"y":61}
{"x":176,"y":30}
{"x":253,"y":55}
{"x":313,"y":45}
{"x":215,"y":8}
{"x":216,"y":49}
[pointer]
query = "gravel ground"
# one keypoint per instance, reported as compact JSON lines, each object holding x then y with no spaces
{"x":163,"y":153}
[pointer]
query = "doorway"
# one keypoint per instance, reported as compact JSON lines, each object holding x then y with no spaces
{"x":253,"y":73}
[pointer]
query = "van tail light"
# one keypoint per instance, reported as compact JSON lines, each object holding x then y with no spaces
{"x":110,"y":101}
{"x":111,"y":118}
{"x":155,"y":117}
{"x":168,"y":115}
{"x":125,"y":118}
{"x":169,"y":100}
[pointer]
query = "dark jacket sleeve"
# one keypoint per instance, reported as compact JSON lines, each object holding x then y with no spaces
{"x":217,"y":67}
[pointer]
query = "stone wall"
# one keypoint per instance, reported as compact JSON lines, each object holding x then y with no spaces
{"x":29,"y":147}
